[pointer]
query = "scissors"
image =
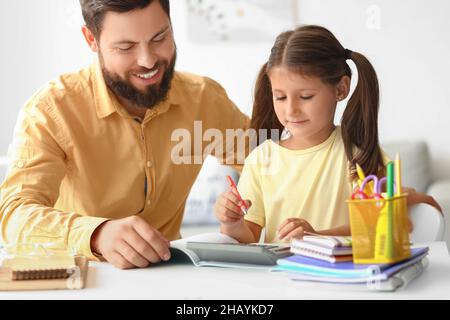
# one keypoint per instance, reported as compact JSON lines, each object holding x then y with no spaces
{"x":361,"y":195}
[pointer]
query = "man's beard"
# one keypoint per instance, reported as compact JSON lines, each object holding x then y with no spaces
{"x":153,"y":95}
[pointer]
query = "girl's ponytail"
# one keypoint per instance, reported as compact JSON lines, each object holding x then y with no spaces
{"x":315,"y":51}
{"x":360,"y":120}
{"x":264,"y":116}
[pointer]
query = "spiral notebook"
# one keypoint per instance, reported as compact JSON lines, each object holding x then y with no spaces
{"x":39,"y":276}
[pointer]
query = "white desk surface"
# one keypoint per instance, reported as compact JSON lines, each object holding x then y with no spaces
{"x":184,"y":281}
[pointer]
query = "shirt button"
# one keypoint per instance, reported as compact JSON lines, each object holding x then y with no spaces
{"x":149,"y":202}
{"x":20,"y":164}
{"x":149,"y":164}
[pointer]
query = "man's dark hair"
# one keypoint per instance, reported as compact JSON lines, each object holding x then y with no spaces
{"x":94,"y":11}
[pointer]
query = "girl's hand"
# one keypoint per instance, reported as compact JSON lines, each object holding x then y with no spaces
{"x":227,"y":208}
{"x":294,"y":228}
{"x":415,"y":197}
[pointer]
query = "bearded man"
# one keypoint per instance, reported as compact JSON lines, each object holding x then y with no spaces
{"x":92,"y":166}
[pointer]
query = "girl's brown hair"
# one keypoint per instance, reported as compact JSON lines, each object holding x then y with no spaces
{"x":315,"y":51}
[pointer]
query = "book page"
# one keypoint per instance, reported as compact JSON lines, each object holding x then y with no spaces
{"x":180,"y":244}
{"x":328,"y":241}
{"x":213,"y":237}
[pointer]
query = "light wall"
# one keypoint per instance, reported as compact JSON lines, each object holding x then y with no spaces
{"x":409,"y":48}
{"x":407,"y":41}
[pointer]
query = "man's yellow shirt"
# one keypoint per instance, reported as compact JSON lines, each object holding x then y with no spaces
{"x":78,"y":159}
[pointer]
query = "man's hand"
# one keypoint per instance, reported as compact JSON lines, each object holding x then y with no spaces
{"x":129,"y":243}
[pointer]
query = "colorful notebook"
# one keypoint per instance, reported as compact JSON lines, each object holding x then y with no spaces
{"x":312,"y":266}
{"x":337,"y":246}
{"x":327,"y":248}
{"x":321,"y":256}
{"x":387,"y":281}
{"x":326,"y":241}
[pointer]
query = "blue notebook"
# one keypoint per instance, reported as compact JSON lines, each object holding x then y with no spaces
{"x":348,"y":269}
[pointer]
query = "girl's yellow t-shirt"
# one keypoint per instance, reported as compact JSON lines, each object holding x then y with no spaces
{"x":312,"y":184}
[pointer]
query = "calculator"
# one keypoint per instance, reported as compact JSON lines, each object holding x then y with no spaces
{"x":260,"y":254}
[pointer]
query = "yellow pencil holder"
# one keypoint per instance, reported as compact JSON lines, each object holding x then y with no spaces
{"x":379,"y":230}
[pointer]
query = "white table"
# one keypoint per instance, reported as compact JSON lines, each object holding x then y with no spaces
{"x":184,"y":281}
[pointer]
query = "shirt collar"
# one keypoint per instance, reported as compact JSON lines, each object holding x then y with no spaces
{"x":106,"y":103}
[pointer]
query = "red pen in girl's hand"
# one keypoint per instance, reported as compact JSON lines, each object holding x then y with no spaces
{"x":243,"y":206}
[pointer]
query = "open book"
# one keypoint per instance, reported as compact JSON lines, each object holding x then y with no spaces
{"x":178,"y":247}
{"x":220,"y":250}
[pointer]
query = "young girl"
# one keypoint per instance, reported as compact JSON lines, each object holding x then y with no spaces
{"x":301,"y":183}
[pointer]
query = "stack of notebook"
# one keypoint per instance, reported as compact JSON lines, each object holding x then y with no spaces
{"x":42,"y":272}
{"x":382,"y":277}
{"x":330,"y":249}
